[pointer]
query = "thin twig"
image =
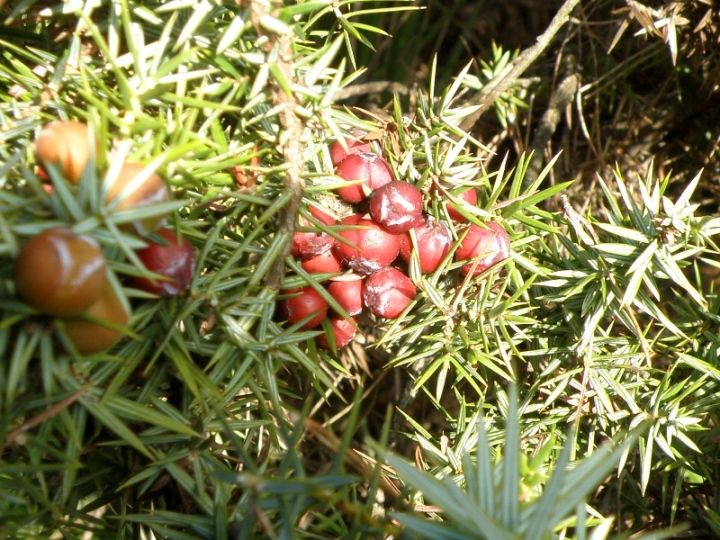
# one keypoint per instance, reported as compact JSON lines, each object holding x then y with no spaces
{"x":43,"y":416}
{"x":514,"y":70}
{"x":561,"y":98}
{"x":374,"y":87}
{"x":353,"y":458}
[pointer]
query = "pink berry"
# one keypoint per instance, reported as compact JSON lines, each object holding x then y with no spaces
{"x":303,"y":303}
{"x":433,"y":243}
{"x":488,"y":245}
{"x":468,"y":197}
{"x":369,"y":248}
{"x":397,"y":206}
{"x":348,"y":294}
{"x":371,"y":169}
{"x":388,"y":292}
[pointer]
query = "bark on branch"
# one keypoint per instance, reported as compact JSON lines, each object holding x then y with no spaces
{"x":515,"y":69}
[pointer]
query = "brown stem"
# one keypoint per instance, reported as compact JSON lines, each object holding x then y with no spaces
{"x":514,"y":70}
{"x":291,"y":128}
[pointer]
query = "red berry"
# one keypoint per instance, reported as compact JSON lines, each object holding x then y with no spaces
{"x":489,"y":245}
{"x":343,"y":332}
{"x":469,"y":197}
{"x":307,"y":245}
{"x":354,"y":146}
{"x":305,"y":302}
{"x":371,"y":247}
{"x":433,"y":243}
{"x":325,"y":262}
{"x":175,"y":261}
{"x":388,"y":292}
{"x":348,"y":294}
{"x":373,"y":170}
{"x":397,"y":206}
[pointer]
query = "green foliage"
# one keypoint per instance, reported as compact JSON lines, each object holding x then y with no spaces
{"x":214,"y":419}
{"x":483,"y":495}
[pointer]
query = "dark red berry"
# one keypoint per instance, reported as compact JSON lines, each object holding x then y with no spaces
{"x":370,"y":248}
{"x":343,"y":332}
{"x":305,"y":302}
{"x":309,"y":244}
{"x":371,"y":169}
{"x":433,"y":243}
{"x":388,"y":292}
{"x":487,"y":245}
{"x":348,"y":294}
{"x":174,"y":261}
{"x":397,"y":206}
{"x":468,"y":197}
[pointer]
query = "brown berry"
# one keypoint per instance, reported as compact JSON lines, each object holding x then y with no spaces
{"x":88,"y":333}
{"x":149,"y":192}
{"x":59,"y":272}
{"x":66,"y":145}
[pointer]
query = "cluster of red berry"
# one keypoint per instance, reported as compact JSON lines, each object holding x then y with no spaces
{"x":387,"y":211}
{"x":64,"y":274}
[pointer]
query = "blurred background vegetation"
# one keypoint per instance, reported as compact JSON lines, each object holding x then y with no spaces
{"x":584,"y":369}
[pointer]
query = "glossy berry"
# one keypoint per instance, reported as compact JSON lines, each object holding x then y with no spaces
{"x":343,"y":332}
{"x":66,"y":145}
{"x":325,"y":262}
{"x":149,"y":192}
{"x":468,"y":197}
{"x":433,"y":244}
{"x":354,"y":146}
{"x":487,"y":245}
{"x":371,"y":246}
{"x":388,"y":292}
{"x":305,"y":302}
{"x":59,"y":272}
{"x":90,"y":336}
{"x":174,"y":261}
{"x":309,"y":244}
{"x":397,"y":206}
{"x":373,"y":170}
{"x":348,"y":293}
